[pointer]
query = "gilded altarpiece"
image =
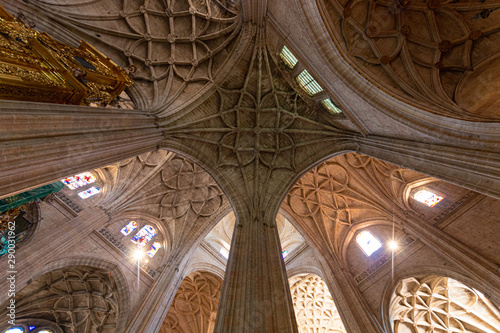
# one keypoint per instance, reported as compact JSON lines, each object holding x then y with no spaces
{"x":35,"y":67}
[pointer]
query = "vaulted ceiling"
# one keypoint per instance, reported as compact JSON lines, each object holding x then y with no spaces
{"x":236,"y":132}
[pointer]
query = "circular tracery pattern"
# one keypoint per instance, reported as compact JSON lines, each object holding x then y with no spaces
{"x":314,"y":306}
{"x":77,"y":299}
{"x":195,"y":305}
{"x":177,"y":45}
{"x":444,"y":53}
{"x":440,"y":304}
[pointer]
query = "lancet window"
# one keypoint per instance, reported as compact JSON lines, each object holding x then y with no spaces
{"x":82,"y":180}
{"x":153,"y":249}
{"x":143,"y":237}
{"x":131,"y":226}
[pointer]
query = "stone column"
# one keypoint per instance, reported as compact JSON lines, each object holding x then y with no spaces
{"x":41,"y":143}
{"x":255,"y":295}
{"x":356,"y":314}
{"x":151,"y":314}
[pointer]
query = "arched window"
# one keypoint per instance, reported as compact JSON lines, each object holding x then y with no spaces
{"x":441,"y":304}
{"x":367,"y":242}
{"x":144,"y":236}
{"x":79,"y":180}
{"x":131,"y":226}
{"x":427,"y":197}
{"x":153,"y":249}
{"x":89,"y":192}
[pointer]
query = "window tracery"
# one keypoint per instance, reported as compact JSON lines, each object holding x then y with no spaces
{"x":314,"y":306}
{"x":441,"y":304}
{"x":330,"y":106}
{"x":308,"y":83}
{"x":288,"y":58}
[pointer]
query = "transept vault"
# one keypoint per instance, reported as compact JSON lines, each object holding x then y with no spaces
{"x":221,"y":125}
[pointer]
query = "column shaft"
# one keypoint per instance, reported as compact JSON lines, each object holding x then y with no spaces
{"x":41,"y":143}
{"x":255,"y":295}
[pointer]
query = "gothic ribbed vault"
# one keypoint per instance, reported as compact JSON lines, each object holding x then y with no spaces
{"x":221,"y":125}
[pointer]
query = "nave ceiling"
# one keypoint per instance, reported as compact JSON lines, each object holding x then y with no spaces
{"x":222,"y":126}
{"x":329,"y":205}
{"x":212,"y":78}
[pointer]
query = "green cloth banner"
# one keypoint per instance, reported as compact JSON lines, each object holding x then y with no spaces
{"x":29,"y":196}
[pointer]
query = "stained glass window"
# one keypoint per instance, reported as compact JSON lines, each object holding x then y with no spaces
{"x":89,"y":192}
{"x":15,"y":330}
{"x":308,"y":83}
{"x":330,"y":106}
{"x":367,"y":242}
{"x":288,"y":58}
{"x":427,"y":197}
{"x":154,"y":248}
{"x":126,"y":230}
{"x":144,"y":236}
{"x":31,"y":328}
{"x":284,"y":254}
{"x":79,"y":180}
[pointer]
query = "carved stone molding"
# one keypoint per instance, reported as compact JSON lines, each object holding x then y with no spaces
{"x":314,"y":306}
{"x":67,"y":202}
{"x":195,"y":305}
{"x":255,"y":130}
{"x":443,"y":54}
{"x":78,"y":299}
{"x":177,"y":47}
{"x":441,"y":304}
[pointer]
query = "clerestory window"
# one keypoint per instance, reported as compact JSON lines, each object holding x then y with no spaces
{"x":368,"y":243}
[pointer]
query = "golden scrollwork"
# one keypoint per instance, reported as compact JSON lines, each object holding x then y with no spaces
{"x":35,"y":67}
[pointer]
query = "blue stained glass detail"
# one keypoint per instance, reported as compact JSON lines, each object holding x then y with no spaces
{"x":31,"y":328}
{"x":144,"y":236}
